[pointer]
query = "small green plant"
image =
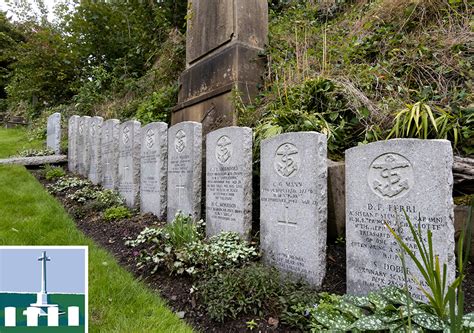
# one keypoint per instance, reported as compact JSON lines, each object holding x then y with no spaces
{"x":182,"y":231}
{"x":251,"y":324}
{"x":52,"y":172}
{"x":108,"y":198}
{"x":35,"y":152}
{"x":66,"y":183}
{"x":83,"y":194}
{"x":117,"y":213}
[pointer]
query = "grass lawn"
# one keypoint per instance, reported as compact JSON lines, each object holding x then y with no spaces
{"x":30,"y":216}
{"x":16,"y":139}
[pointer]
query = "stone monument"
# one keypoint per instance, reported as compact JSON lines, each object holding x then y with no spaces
{"x":129,"y":162}
{"x":109,"y":153}
{"x":53,"y":139}
{"x":223,"y":42}
{"x":73,"y":128}
{"x":184,"y":169}
{"x":384,"y":179}
{"x":154,"y":167}
{"x":83,"y":146}
{"x":293,"y":204}
{"x":95,"y":160}
{"x":229,"y":181}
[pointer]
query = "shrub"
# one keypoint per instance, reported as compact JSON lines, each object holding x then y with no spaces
{"x":53,"y":172}
{"x":65,"y":183}
{"x":108,"y":198}
{"x":117,"y":213}
{"x":83,"y":194}
{"x":182,"y":231}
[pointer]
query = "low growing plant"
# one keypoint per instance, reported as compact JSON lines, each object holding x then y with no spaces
{"x":108,"y":198}
{"x":52,"y":172}
{"x":65,"y":183}
{"x":83,"y":194}
{"x":117,"y":213}
{"x":183,"y":231}
{"x":35,"y":152}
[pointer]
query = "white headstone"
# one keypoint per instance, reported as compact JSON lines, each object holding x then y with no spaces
{"x":53,"y":316}
{"x":184,"y":169}
{"x":229,"y":181}
{"x":129,"y":162}
{"x":10,"y":316}
{"x":154,"y":167}
{"x":293,"y":204}
{"x":382,"y":179}
{"x":73,"y":127}
{"x":109,"y":153}
{"x":83,"y":146}
{"x":32,"y":315}
{"x":53,"y":138}
{"x":95,"y":160}
{"x":73,"y":316}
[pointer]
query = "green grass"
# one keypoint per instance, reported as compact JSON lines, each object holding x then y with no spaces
{"x":30,"y":216}
{"x":14,"y":140}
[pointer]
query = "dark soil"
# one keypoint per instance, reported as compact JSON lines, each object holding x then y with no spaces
{"x":176,"y":289}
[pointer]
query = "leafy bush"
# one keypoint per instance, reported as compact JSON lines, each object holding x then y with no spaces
{"x":158,"y":106}
{"x":35,"y":152}
{"x":66,"y":183}
{"x":83,"y":194}
{"x":117,"y":213}
{"x":108,"y":198}
{"x":183,"y":231}
{"x":53,"y":172}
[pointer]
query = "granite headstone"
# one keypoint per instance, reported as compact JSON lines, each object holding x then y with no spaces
{"x":73,"y":128}
{"x":109,"y":153}
{"x":95,"y":160}
{"x":129,"y":162}
{"x":53,"y":137}
{"x":83,"y":146}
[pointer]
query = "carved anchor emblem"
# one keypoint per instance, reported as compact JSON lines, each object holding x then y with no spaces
{"x":126,"y":135}
{"x":150,"y":138}
{"x":223,"y":149}
{"x":287,"y":160}
{"x":180,"y":141}
{"x":392,"y":184}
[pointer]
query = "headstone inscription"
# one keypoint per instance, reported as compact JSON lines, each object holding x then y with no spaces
{"x":73,"y":128}
{"x":53,"y":139}
{"x":184,"y":169}
{"x":383,"y":179}
{"x":95,"y":160}
{"x":229,"y":181}
{"x":154,"y":167}
{"x":83,"y":146}
{"x":129,"y":162}
{"x":293,"y":204}
{"x":109,"y":153}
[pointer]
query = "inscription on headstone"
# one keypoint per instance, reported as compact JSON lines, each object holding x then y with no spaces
{"x":109,"y":153}
{"x":95,"y":160}
{"x":83,"y":146}
{"x":53,"y":139}
{"x":73,"y":128}
{"x":293,"y":204}
{"x":229,"y":181}
{"x":383,"y":179}
{"x":184,"y":169}
{"x":154,"y":166}
{"x":129,"y":162}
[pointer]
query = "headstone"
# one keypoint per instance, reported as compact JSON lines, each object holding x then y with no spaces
{"x":154,"y":166}
{"x":229,"y":181}
{"x":129,"y":162}
{"x":109,"y":153}
{"x":184,"y":169}
{"x":83,"y":146}
{"x":73,"y":128}
{"x":223,"y":41}
{"x":95,"y":159}
{"x":10,"y":316}
{"x":293,"y":204}
{"x":383,"y":179}
{"x":32,"y":315}
{"x":73,"y":316}
{"x":53,"y":139}
{"x":53,"y":316}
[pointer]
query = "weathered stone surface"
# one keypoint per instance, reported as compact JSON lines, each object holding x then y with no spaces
{"x":213,"y":24}
{"x":383,"y":179}
{"x":229,"y":181}
{"x":336,"y":200}
{"x":129,"y":162}
{"x":37,"y":160}
{"x":73,"y":132}
{"x":95,"y":159}
{"x":293,"y":204}
{"x":154,"y":167}
{"x":83,"y":146}
{"x":184,"y":169}
{"x":109,"y":153}
{"x":53,"y":138}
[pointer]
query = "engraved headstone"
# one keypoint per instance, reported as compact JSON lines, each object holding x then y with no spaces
{"x":95,"y":160}
{"x":293,"y":204}
{"x":154,"y":166}
{"x":383,"y":179}
{"x":73,"y":128}
{"x":109,"y":153}
{"x":83,"y":146}
{"x":229,"y":181}
{"x":184,"y":169}
{"x":129,"y":162}
{"x":53,"y":139}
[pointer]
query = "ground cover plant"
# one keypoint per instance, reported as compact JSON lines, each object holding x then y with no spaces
{"x":32,"y":217}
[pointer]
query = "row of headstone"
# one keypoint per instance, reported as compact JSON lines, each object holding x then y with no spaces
{"x":160,"y":168}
